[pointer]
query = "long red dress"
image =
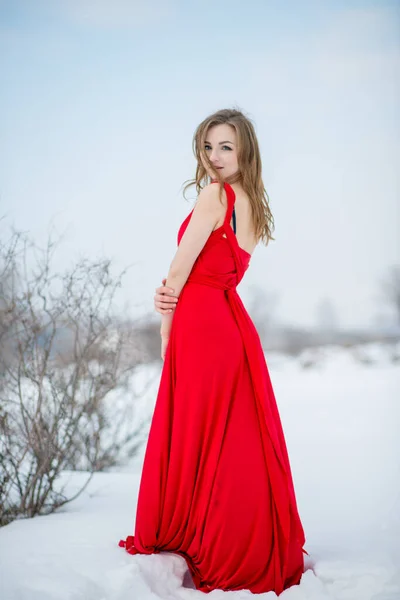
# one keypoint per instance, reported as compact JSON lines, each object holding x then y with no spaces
{"x":216,"y":485}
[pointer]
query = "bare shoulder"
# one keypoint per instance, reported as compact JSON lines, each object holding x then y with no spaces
{"x":208,"y":199}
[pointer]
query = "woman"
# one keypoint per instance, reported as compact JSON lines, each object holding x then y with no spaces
{"x":216,"y":485}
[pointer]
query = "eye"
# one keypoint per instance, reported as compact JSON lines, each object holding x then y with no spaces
{"x":207,"y":146}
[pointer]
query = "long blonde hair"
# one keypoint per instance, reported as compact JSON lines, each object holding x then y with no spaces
{"x":249,"y":173}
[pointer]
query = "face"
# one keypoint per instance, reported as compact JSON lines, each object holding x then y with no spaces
{"x":221,"y":149}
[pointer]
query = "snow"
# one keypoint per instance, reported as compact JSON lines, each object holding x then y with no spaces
{"x":341,"y":420}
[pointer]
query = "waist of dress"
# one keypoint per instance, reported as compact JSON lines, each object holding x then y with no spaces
{"x":211,"y":282}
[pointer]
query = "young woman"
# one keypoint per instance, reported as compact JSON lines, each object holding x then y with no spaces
{"x":216,"y":485}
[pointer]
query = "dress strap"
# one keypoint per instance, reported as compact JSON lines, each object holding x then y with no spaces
{"x":230,"y":211}
{"x":230,"y":194}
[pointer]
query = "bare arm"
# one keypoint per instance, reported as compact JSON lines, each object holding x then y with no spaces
{"x":205,"y":215}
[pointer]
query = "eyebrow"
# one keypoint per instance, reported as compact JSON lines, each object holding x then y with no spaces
{"x":225,"y":142}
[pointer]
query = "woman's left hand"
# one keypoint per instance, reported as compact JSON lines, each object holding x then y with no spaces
{"x":164,"y":344}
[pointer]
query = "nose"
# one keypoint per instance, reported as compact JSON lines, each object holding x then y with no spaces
{"x":214,"y":156}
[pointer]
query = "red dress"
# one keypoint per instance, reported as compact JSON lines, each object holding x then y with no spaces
{"x":216,"y":485}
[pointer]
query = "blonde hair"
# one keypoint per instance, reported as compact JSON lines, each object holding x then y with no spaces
{"x":249,"y":172}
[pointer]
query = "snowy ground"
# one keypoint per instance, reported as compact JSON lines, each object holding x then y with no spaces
{"x":342,"y":424}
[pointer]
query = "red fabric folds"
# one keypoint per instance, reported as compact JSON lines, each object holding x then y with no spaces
{"x":216,"y":485}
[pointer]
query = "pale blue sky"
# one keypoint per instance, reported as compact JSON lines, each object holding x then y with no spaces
{"x":100,"y":100}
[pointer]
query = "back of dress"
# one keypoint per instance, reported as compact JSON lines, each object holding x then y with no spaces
{"x":222,"y":258}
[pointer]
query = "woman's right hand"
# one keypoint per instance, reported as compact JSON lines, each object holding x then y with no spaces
{"x":164,"y":300}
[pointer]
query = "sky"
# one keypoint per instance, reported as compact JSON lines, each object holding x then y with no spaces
{"x":100,"y":100}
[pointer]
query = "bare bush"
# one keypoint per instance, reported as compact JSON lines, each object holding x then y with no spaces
{"x":65,"y":365}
